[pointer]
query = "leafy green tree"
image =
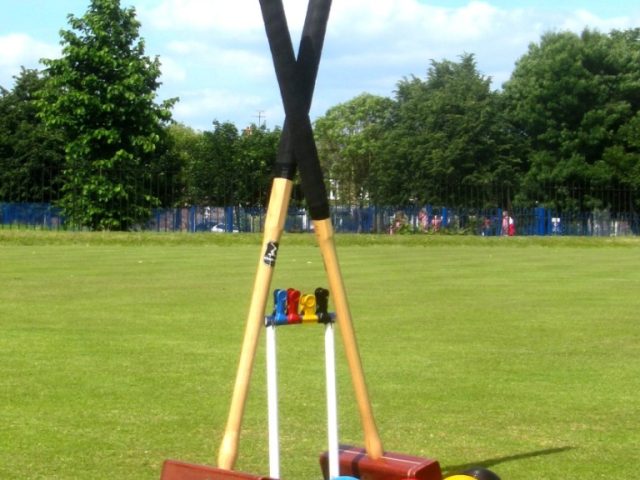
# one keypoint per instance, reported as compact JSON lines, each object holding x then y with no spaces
{"x":101,"y":94}
{"x":448,"y":134}
{"x":183,"y":146}
{"x":224,"y":167}
{"x":575,"y":100}
{"x":31,"y":155}
{"x":256,"y":152}
{"x":349,"y":140}
{"x":212,"y":178}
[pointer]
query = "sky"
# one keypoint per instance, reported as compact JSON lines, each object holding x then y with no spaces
{"x":215,"y":55}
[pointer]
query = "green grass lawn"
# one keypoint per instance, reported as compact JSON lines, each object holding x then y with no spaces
{"x":119,"y":350}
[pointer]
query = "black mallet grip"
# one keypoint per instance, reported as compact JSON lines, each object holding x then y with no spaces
{"x":295,"y":101}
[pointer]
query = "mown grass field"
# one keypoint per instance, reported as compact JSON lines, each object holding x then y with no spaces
{"x":119,"y":350}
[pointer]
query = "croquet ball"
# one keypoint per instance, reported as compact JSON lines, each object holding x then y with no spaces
{"x":481,"y":474}
{"x":460,"y":477}
{"x":344,"y":478}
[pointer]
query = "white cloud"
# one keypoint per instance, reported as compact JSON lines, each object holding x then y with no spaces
{"x":222,"y":57}
{"x":172,"y":70}
{"x":187,"y":47}
{"x":20,"y":50}
{"x":580,"y":19}
{"x":402,"y":21}
{"x":404,"y":35}
{"x":238,"y":17}
{"x":237,"y":21}
{"x":200,"y":107}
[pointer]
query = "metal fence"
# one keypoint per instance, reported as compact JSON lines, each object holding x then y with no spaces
{"x":31,"y":215}
{"x":426,"y":219}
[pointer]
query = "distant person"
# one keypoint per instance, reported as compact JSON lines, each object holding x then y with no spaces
{"x":399,"y":221}
{"x":508,"y":224}
{"x":436,"y":222}
{"x":486,"y":227}
{"x":423,"y":219}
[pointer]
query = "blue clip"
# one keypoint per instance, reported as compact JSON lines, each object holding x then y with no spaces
{"x":280,"y":307}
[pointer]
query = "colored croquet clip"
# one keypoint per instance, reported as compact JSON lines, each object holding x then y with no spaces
{"x":308,"y":308}
{"x":280,"y":307}
{"x":279,"y":315}
{"x":322,"y":306}
{"x":293,"y":300}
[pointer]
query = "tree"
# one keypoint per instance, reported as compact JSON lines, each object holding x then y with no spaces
{"x":184,"y":146}
{"x":224,"y":167}
{"x":575,"y":100}
{"x":256,"y":152}
{"x":212,"y":175}
{"x":448,"y":134}
{"x":101,"y":94}
{"x":31,"y":155}
{"x":349,"y":139}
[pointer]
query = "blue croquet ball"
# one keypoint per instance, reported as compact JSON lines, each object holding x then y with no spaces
{"x":481,"y":474}
{"x":344,"y":478}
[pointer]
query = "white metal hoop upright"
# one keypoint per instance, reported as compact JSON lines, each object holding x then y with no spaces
{"x":272,"y":403}
{"x":332,"y":401}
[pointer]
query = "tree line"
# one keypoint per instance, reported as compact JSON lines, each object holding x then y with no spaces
{"x":87,"y":133}
{"x":563,"y":132}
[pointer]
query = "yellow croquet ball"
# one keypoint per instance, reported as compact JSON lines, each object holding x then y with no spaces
{"x":460,"y":477}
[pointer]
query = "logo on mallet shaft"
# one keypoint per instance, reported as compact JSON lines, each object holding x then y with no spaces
{"x":271,"y":254}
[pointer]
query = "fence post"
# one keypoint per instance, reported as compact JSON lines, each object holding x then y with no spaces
{"x":541,"y":221}
{"x":228,"y":219}
{"x":366,"y":219}
{"x":445,"y":217}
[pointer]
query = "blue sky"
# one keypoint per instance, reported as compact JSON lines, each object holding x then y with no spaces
{"x":216,"y":59}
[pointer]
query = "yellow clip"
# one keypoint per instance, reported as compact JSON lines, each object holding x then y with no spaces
{"x":308,"y":308}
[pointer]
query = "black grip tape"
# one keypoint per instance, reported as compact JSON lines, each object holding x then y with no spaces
{"x":296,"y":87}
